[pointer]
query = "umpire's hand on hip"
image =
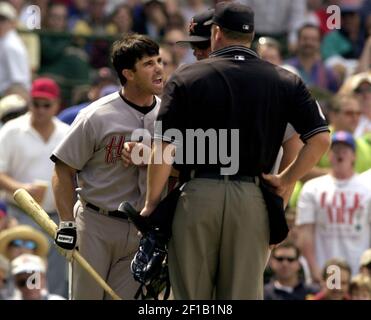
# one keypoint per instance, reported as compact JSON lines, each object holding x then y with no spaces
{"x":278,"y":184}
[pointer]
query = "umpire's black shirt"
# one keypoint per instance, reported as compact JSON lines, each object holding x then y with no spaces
{"x":235,"y":89}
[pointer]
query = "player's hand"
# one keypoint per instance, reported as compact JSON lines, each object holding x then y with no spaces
{"x":147,"y":210}
{"x":135,"y":153}
{"x":66,"y":235}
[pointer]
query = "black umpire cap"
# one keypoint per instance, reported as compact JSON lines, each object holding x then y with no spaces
{"x":198,"y":31}
{"x":233,"y":16}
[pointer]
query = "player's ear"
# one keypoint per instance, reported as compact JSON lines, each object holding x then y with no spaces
{"x":218,"y":33}
{"x":128,"y":74}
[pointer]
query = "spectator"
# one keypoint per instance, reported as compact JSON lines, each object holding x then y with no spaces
{"x":95,"y":23}
{"x":334,"y":288}
{"x":11,"y":107}
{"x":334,"y":211}
{"x":5,"y":221}
{"x":23,"y":239}
{"x":364,"y":62}
{"x":15,"y":68}
{"x":270,"y":50}
{"x":361,"y":86}
{"x":192,"y":8}
{"x":365,"y":263}
{"x":156,"y":19}
{"x":347,"y":41}
{"x":25,"y":146}
{"x":279,"y":19}
{"x":57,"y":17}
{"x":360,"y":287}
{"x":286,"y":283}
{"x":122,"y":19}
{"x":168,"y":61}
{"x":60,"y":58}
{"x":77,"y":10}
{"x":308,"y":60}
{"x":104,"y":83}
{"x":29,"y":272}
{"x":182,"y":54}
{"x":4,"y":270}
{"x":344,"y":116}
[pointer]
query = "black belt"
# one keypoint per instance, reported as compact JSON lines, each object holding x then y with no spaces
{"x":217,"y":176}
{"x":116,"y":213}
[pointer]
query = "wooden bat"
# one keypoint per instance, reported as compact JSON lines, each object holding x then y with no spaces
{"x":34,"y":210}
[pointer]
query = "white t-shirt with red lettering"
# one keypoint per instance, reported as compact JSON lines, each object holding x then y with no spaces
{"x":341,"y":212}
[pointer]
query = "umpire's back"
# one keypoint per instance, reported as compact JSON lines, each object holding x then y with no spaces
{"x":236,"y":90}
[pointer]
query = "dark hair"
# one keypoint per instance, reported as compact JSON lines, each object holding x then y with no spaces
{"x":309,"y":26}
{"x":128,"y":50}
{"x":287,"y":245}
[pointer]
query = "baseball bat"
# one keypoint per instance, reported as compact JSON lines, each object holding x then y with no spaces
{"x":37,"y":213}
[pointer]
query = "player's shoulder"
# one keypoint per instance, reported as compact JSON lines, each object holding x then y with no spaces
{"x":100,"y":106}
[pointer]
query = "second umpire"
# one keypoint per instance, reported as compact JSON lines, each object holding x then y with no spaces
{"x":220,"y":240}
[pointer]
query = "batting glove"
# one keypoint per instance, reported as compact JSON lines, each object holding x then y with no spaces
{"x":66,"y":235}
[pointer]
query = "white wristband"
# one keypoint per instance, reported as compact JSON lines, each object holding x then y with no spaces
{"x":67,"y":224}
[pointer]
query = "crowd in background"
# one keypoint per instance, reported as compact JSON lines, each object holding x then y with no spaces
{"x":58,"y":67}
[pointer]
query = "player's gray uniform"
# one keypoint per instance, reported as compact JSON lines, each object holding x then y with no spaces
{"x":93,"y":147}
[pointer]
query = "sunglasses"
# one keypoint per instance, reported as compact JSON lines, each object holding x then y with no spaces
{"x":363,"y":90}
{"x":21,"y":283}
{"x":203,"y":45}
{"x":288,"y":259}
{"x":27,"y":244}
{"x":43,"y":104}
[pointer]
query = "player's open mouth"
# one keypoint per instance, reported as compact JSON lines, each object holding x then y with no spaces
{"x":158,"y":81}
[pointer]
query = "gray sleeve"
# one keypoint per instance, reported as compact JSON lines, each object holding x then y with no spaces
{"x":78,"y":145}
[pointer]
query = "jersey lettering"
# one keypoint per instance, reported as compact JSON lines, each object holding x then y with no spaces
{"x":114,"y":149}
{"x":341,"y":208}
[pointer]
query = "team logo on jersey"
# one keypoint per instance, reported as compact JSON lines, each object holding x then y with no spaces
{"x":114,"y":149}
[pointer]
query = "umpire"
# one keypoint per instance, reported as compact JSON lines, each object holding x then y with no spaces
{"x":220,"y":229}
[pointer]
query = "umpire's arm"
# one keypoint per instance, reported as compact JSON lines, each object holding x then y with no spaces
{"x":308,"y":156}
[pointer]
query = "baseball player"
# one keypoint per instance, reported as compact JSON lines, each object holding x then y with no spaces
{"x":91,"y":151}
{"x":199,"y":35}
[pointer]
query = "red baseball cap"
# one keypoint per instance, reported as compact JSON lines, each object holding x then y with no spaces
{"x":45,"y":88}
